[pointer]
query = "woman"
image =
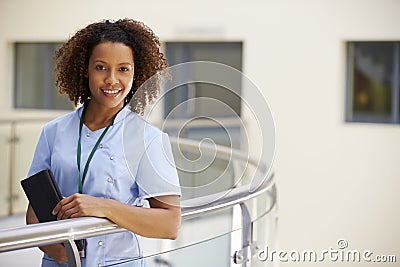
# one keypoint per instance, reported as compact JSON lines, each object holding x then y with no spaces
{"x":102,"y":169}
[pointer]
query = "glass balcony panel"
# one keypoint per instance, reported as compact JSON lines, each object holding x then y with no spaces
{"x":213,"y":252}
{"x":264,"y":236}
{"x":211,"y":246}
{"x":210,"y":252}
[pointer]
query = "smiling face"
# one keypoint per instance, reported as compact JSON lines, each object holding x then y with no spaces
{"x":110,"y":73}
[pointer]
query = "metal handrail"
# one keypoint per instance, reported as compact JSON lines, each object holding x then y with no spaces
{"x":205,"y":204}
{"x":73,"y":229}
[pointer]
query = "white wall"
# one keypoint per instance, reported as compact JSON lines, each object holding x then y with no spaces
{"x":335,"y":180}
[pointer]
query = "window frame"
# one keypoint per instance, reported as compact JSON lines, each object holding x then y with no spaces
{"x":187,"y":49}
{"x":49,"y":91}
{"x":353,"y":117}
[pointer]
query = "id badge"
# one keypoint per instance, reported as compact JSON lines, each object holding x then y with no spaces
{"x":81,"y":245}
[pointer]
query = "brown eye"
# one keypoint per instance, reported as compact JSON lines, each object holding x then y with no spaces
{"x":100,"y":67}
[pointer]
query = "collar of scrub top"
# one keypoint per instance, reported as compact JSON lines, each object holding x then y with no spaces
{"x":120,"y":115}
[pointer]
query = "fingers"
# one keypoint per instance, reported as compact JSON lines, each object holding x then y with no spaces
{"x":57,"y":252}
{"x":68,"y":207}
{"x":67,"y":212}
{"x":61,"y":203}
{"x":61,"y":255}
{"x":56,"y":208}
{"x":79,"y":205}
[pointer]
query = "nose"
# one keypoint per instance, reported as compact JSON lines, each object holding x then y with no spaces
{"x":111,"y":78}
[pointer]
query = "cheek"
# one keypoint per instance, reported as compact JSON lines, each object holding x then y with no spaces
{"x":94,"y":81}
{"x":91,"y":84}
{"x":129,"y":83}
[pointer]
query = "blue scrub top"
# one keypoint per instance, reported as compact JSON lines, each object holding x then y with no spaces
{"x":132,"y":163}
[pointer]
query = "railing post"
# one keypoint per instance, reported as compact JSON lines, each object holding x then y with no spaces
{"x":74,"y":259}
{"x":244,"y":255}
{"x":12,"y":141}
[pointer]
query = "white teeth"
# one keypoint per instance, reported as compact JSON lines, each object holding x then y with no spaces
{"x":111,"y":91}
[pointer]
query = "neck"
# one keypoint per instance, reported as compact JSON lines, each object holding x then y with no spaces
{"x":97,"y":117}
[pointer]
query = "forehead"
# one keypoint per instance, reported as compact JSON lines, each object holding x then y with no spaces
{"x":112,"y":53}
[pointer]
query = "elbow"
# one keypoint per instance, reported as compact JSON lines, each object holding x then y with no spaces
{"x":173,"y":235}
{"x":174,"y":230}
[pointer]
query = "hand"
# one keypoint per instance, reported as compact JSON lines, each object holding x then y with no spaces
{"x":57,"y":252}
{"x":79,"y":205}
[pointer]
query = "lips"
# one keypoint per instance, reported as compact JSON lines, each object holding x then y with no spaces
{"x":111,"y":92}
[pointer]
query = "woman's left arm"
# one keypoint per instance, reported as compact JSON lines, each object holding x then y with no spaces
{"x":161,"y":220}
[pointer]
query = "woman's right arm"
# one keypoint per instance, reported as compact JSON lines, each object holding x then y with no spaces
{"x":56,"y":251}
{"x":41,"y":160}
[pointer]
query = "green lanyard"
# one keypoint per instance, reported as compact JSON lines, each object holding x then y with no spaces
{"x":79,"y":151}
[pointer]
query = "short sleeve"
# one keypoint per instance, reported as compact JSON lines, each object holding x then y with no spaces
{"x":41,"y":158}
{"x":157,"y":174}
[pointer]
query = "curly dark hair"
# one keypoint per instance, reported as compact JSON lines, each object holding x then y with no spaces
{"x":72,"y":60}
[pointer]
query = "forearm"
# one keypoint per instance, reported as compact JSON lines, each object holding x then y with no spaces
{"x":30,"y":217}
{"x":148,"y":222}
{"x":162,"y":220}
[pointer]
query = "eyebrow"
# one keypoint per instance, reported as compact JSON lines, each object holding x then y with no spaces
{"x":123,"y":63}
